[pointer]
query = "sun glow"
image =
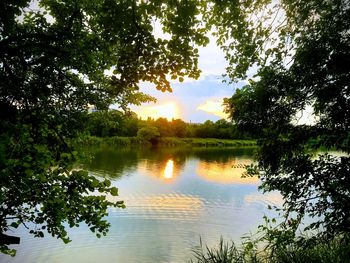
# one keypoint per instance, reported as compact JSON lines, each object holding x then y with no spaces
{"x":167,"y":110}
{"x":169,"y":169}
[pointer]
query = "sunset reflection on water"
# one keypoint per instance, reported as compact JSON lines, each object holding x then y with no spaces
{"x":169,"y":169}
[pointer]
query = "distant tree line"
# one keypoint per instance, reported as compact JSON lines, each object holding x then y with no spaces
{"x":117,"y":123}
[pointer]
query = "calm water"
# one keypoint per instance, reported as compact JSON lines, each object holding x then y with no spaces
{"x":173,"y":197}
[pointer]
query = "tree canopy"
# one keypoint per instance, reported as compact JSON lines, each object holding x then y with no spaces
{"x":126,"y":124}
{"x":300,"y":51}
{"x":56,"y":59}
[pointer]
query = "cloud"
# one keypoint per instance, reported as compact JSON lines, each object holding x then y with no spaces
{"x":214,"y":107}
{"x":212,"y":59}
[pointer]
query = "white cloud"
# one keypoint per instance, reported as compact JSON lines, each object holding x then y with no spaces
{"x":212,"y":59}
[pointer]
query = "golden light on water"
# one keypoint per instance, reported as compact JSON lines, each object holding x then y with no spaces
{"x":169,"y":170}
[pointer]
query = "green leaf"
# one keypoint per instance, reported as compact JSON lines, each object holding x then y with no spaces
{"x":94,"y":183}
{"x":66,"y":240}
{"x":114,"y":191}
{"x":107,"y":183}
{"x":14,"y":224}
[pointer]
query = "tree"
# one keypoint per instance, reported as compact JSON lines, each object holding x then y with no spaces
{"x":148,"y":134}
{"x":54,"y":60}
{"x":224,"y":129}
{"x":130,"y":124}
{"x":206,"y":130}
{"x":178,"y":128}
{"x":164,"y":127}
{"x":105,"y":123}
{"x":301,"y":50}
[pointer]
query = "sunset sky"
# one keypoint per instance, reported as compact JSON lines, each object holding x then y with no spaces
{"x":193,"y":100}
{"x":199,"y":100}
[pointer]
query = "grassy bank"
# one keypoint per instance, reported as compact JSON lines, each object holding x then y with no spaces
{"x":205,"y":142}
{"x":107,"y":141}
{"x":163,"y":141}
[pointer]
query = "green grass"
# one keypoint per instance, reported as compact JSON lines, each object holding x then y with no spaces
{"x":105,"y":141}
{"x":205,"y":142}
{"x":319,"y":251}
{"x":163,"y":141}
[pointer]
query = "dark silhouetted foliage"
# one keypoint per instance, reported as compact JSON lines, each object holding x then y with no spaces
{"x":307,"y":46}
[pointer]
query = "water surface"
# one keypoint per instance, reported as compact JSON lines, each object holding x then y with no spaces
{"x":173,"y":197}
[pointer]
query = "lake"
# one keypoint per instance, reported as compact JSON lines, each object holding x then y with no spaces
{"x":173,"y":198}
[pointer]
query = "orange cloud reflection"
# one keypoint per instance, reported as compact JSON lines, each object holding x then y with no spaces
{"x":226,"y":173}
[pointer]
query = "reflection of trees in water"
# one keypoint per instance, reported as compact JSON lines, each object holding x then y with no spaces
{"x":114,"y":162}
{"x":110,"y":162}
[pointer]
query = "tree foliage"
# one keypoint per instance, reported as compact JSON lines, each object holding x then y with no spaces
{"x":301,"y":50}
{"x":56,"y":59}
{"x":117,"y":123}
